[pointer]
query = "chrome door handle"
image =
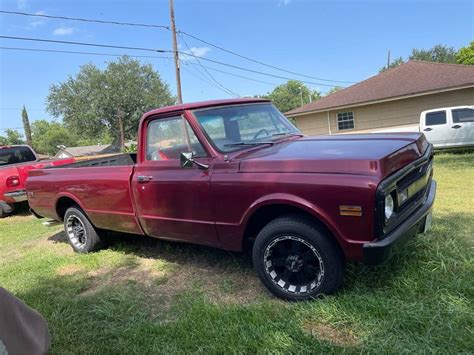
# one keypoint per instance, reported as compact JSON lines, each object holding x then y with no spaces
{"x":144,"y":178}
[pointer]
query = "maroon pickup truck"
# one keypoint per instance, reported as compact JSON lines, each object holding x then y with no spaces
{"x":236,"y":174}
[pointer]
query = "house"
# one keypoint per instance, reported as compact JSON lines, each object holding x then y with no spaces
{"x":389,"y":101}
{"x":86,"y":151}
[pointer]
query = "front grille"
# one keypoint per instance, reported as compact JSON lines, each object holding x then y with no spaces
{"x":414,"y":180}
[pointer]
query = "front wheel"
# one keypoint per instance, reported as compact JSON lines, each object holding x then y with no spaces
{"x":296,"y":260}
{"x":81,"y":234}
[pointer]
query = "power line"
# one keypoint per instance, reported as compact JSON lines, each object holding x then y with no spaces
{"x":158,"y":51}
{"x":84,"y":44}
{"x":84,"y":19}
{"x":207,"y":81}
{"x":181,"y":32}
{"x":133,"y":56}
{"x":79,"y":52}
{"x":210,"y":75}
{"x":259,"y":62}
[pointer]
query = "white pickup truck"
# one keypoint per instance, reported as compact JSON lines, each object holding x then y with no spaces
{"x":449,"y":127}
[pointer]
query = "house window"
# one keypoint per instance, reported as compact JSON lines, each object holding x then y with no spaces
{"x":345,"y":120}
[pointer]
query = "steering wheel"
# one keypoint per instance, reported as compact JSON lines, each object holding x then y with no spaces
{"x":263,"y":130}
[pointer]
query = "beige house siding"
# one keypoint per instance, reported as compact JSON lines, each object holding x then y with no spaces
{"x":404,"y":112}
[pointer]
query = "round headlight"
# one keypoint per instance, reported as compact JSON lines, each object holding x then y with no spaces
{"x":388,"y":206}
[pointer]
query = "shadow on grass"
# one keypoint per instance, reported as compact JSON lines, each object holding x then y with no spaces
{"x":185,"y":298}
{"x":420,"y":249}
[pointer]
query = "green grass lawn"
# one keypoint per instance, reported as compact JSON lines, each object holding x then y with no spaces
{"x":143,"y":295}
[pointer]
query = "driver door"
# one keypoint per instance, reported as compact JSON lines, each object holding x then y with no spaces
{"x":174,"y":202}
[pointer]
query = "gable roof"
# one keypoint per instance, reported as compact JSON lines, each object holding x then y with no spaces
{"x":411,"y":78}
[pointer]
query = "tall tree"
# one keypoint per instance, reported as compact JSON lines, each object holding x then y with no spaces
{"x":26,"y":126}
{"x":465,"y":55}
{"x":48,"y":135}
{"x":97,"y":101}
{"x":291,"y":95}
{"x":439,"y":53}
{"x":12,"y":138}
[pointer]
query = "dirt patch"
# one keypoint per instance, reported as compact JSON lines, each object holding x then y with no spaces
{"x":70,"y":269}
{"x":331,"y":334}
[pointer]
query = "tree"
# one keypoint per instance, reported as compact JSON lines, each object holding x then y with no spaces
{"x":465,"y":55}
{"x":96,"y":102}
{"x":12,"y":138}
{"x":26,"y":126}
{"x":393,"y":64}
{"x":439,"y":53}
{"x":291,"y":95}
{"x":334,"y":89}
{"x":48,"y":135}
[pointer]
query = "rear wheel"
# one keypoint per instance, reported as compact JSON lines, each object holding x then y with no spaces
{"x":296,"y":259}
{"x":80,"y":232}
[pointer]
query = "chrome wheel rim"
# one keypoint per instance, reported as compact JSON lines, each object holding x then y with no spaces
{"x":76,"y":231}
{"x":293,"y":265}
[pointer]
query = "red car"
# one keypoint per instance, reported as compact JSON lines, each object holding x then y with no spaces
{"x":236,"y":174}
{"x":15,"y":162}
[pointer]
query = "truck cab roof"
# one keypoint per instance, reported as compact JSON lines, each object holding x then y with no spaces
{"x":202,"y":104}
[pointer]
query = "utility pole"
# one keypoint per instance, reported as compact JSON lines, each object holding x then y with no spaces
{"x":176,"y":55}
{"x":301,"y":96}
{"x":388,"y":60}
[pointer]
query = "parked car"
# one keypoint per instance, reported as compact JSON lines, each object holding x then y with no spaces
{"x":236,"y":174}
{"x":15,"y":162}
{"x":449,"y":127}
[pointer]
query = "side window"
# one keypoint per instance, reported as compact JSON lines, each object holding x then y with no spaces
{"x":345,"y":120}
{"x":435,"y":118}
{"x":167,"y":138}
{"x":463,"y":115}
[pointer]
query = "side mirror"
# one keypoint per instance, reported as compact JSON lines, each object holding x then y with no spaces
{"x":187,"y":161}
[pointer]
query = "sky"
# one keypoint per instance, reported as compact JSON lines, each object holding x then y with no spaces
{"x":334,"y":40}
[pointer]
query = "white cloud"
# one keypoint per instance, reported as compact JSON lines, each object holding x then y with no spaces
{"x":198,"y":51}
{"x":22,"y":4}
{"x":63,"y":31}
{"x":284,"y":2}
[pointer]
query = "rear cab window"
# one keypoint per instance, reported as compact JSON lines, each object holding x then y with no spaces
{"x":462,"y":115}
{"x":16,"y":155}
{"x":435,"y":118}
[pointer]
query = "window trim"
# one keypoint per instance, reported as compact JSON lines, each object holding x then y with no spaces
{"x":167,"y":118}
{"x":353,"y":121}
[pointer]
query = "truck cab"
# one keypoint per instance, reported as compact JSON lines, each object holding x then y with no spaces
{"x":449,"y":127}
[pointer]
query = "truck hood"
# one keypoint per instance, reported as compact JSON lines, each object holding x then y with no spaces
{"x":361,"y":154}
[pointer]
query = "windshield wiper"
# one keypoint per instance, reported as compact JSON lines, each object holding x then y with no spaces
{"x":237,"y":144}
{"x":287,"y":134}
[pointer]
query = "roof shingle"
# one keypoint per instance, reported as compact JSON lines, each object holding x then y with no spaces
{"x":413,"y":77}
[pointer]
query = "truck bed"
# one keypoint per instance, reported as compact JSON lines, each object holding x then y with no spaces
{"x":112,"y":160}
{"x":101,"y":187}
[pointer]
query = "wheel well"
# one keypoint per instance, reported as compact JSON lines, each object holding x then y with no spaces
{"x":264,"y":215}
{"x":63,"y":204}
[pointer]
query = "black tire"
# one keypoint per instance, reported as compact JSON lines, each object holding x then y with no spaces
{"x":80,"y":232}
{"x":297,"y":260}
{"x":5,"y":209}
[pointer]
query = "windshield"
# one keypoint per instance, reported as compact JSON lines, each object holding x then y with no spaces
{"x":232,"y":127}
{"x":16,"y":155}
